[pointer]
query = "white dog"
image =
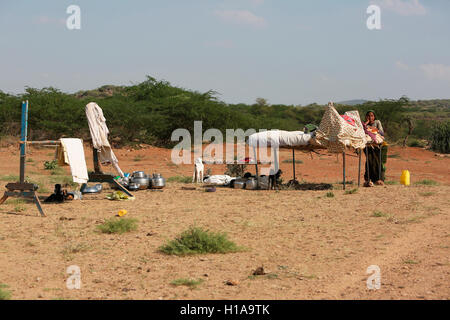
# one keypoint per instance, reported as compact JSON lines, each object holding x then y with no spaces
{"x":198,"y":171}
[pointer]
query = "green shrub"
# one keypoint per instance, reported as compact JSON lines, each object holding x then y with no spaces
{"x":50,"y":165}
{"x":440,"y":137}
{"x":118,"y":225}
{"x":197,"y":241}
{"x":4,"y":294}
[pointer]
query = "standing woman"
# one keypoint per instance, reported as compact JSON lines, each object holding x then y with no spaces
{"x":372,"y":174}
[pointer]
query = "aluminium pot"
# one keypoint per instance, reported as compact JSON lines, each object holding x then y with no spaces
{"x":139,"y":174}
{"x":239,"y":184}
{"x":157,"y":182}
{"x":142,"y":182}
{"x":251,"y":184}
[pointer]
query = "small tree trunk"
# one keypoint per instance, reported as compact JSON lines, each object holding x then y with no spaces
{"x":410,"y":130}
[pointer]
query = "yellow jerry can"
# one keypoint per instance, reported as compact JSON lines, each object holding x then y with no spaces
{"x":405,"y":179}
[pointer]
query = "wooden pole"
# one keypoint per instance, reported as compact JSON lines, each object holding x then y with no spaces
{"x":343,"y":168}
{"x":293,"y":161}
{"x":359,"y":168}
{"x":367,"y":164}
{"x":23,"y":139}
{"x":379,"y":167}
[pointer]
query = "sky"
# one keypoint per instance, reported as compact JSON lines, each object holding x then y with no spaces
{"x":286,"y":51}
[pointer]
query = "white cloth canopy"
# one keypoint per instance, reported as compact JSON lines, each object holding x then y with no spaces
{"x":279,"y":138}
{"x":99,"y":133}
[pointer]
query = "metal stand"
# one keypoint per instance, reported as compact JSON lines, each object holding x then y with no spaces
{"x":23,"y":189}
{"x":99,"y":176}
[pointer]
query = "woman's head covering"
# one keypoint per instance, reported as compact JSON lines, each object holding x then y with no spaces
{"x":369,"y":111}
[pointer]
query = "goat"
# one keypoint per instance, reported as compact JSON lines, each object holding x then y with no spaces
{"x":198,"y":171}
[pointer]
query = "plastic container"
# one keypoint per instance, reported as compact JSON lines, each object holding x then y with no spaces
{"x":405,"y":179}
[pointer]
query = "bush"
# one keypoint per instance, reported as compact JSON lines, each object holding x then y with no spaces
{"x":440,"y":137}
{"x":197,"y":241}
{"x":50,"y":165}
{"x":120,"y":226}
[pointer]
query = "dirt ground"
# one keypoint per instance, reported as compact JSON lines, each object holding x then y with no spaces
{"x":310,"y":245}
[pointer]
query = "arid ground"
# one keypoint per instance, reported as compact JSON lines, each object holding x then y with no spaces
{"x":312,"y":246}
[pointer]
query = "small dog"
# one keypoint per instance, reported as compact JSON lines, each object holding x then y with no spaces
{"x":273,"y":179}
{"x":198,"y":171}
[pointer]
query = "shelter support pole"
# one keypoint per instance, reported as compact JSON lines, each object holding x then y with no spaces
{"x":379,"y":167}
{"x":367,"y":164}
{"x":293,"y":161}
{"x":359,"y":168}
{"x":23,"y":139}
{"x":343,"y":169}
{"x":95,"y":159}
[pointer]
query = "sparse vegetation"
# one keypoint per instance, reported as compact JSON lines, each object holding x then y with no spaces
{"x":4,"y":294}
{"x":353,"y":191}
{"x":198,"y":241}
{"x":118,"y":225}
{"x":427,"y":182}
{"x":50,"y":165}
{"x":330,"y":195}
{"x":181,"y":179}
{"x":191,"y":283}
{"x":427,"y":194}
{"x":379,"y":214}
{"x":291,"y":161}
{"x":391,"y":182}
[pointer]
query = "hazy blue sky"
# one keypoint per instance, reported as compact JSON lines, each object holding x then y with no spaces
{"x":287,"y":51}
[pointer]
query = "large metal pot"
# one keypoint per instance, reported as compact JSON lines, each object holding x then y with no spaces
{"x":157,"y":182}
{"x":142,"y":182}
{"x":139,"y":174}
{"x":251,"y":184}
{"x":239,"y":184}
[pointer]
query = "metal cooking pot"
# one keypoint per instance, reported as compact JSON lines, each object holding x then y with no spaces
{"x":93,"y":189}
{"x":142,"y":182}
{"x":239,"y":184}
{"x":139,"y":174}
{"x":133,"y":186}
{"x":251,"y":184}
{"x":158,"y":182}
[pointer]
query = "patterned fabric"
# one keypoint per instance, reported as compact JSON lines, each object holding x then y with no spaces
{"x":349,"y":119}
{"x":336,"y":134}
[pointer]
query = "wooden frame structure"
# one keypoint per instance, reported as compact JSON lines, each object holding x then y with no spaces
{"x":23,"y":189}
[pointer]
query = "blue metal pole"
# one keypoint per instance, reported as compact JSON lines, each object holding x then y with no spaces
{"x":23,"y":139}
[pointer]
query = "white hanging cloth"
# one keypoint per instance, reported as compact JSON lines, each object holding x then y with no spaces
{"x":99,"y":133}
